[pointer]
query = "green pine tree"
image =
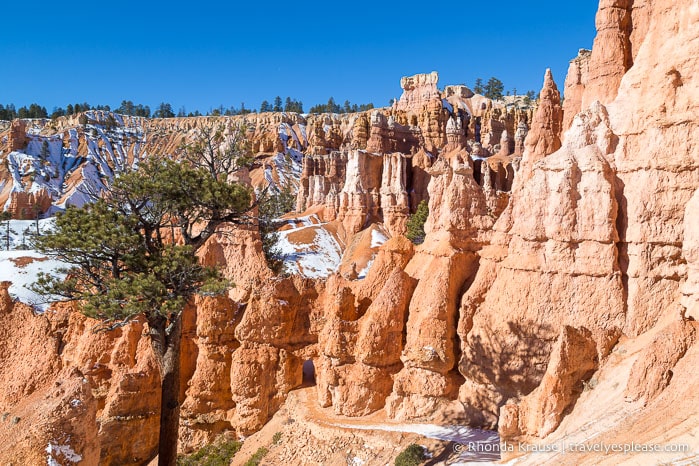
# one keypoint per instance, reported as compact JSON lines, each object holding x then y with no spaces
{"x":122,"y":261}
{"x":44,"y":152}
{"x":494,"y":89}
{"x":6,"y":216}
{"x":416,"y":223}
{"x":272,"y":204}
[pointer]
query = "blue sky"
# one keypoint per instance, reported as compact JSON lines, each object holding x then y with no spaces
{"x":203,"y":54}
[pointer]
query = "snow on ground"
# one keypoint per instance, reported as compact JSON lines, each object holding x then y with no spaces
{"x":468,"y":439}
{"x":309,"y":250}
{"x":64,"y":452}
{"x":21,"y":267}
{"x":377,"y":238}
{"x":365,"y":271}
{"x":288,"y":167}
{"x":49,"y":165}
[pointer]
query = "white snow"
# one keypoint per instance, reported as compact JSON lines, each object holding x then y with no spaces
{"x":302,"y":127}
{"x":38,"y":169}
{"x":318,"y":259}
{"x":447,"y":105}
{"x":365,"y":271}
{"x":21,"y":232}
{"x":288,"y":168}
{"x":459,"y":434}
{"x":377,"y":238}
{"x":284,"y":130}
{"x":22,"y":277}
{"x":66,"y":451}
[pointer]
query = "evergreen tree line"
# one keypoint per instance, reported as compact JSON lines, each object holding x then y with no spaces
{"x":347,"y":107}
{"x":290,"y":105}
{"x":164,"y":110}
{"x":494,"y":89}
{"x":10,"y":112}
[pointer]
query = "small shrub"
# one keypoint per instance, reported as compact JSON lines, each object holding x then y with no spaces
{"x":277,"y":438}
{"x":257,"y":457}
{"x":416,"y":223}
{"x":411,"y":456}
{"x":218,"y":453}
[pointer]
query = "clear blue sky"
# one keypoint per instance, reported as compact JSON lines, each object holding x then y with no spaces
{"x":203,"y":54}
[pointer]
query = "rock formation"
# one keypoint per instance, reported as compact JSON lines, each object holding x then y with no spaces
{"x":418,"y":91}
{"x":611,"y":53}
{"x":573,"y":360}
{"x":544,"y":135}
{"x":17,"y":138}
{"x":95,"y":388}
{"x":644,"y":249}
{"x":574,"y":88}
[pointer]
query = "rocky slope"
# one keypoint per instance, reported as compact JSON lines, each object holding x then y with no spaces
{"x":555,"y":296}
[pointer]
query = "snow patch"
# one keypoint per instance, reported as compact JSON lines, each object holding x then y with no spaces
{"x":65,"y":451}
{"x":317,"y":259}
{"x":458,"y":434}
{"x":21,"y":265}
{"x":22,"y":277}
{"x":377,"y":238}
{"x":365,"y":271}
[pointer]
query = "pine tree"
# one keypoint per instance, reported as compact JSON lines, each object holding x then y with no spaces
{"x":277,"y":104}
{"x":494,"y":88}
{"x":264,"y":107}
{"x":416,"y":223}
{"x":478,"y":86}
{"x":272,"y":204}
{"x":332,"y":107}
{"x":123,"y":264}
{"x":164,"y":111}
{"x":44,"y":152}
{"x":5,"y":216}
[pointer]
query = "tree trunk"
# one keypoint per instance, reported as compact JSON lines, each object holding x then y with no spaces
{"x":169,"y":348}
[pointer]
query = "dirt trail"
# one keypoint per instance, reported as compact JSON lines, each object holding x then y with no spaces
{"x":311,"y":435}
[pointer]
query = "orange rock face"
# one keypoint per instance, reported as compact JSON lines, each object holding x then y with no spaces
{"x":611,"y":52}
{"x":94,"y":387}
{"x":574,"y":88}
{"x":17,"y":138}
{"x":573,"y":360}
